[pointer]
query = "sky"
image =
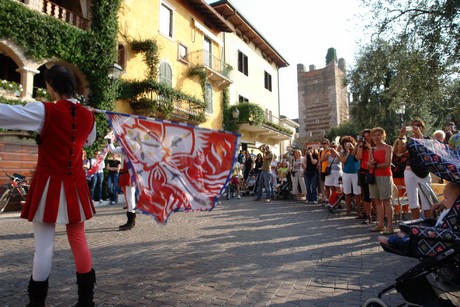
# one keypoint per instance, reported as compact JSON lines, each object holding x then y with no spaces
{"x":302,"y":31}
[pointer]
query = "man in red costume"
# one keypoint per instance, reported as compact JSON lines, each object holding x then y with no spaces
{"x":59,"y":192}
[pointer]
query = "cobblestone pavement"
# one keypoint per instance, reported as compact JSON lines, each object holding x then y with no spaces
{"x":244,"y":253}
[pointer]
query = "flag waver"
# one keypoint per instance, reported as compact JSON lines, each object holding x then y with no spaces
{"x":175,"y":166}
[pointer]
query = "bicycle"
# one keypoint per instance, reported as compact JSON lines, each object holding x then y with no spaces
{"x":20,"y":185}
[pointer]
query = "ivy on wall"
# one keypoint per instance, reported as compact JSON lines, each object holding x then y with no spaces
{"x":152,"y":98}
{"x":200,"y":72}
{"x":92,"y":51}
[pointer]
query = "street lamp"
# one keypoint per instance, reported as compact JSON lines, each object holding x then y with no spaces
{"x":401,"y":111}
{"x":114,"y":71}
{"x":235,"y":114}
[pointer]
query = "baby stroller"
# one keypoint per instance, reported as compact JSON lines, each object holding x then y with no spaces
{"x":336,"y":198}
{"x":249,"y":187}
{"x":435,"y":281}
{"x":284,"y":189}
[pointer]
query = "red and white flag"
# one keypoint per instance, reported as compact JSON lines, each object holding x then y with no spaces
{"x":175,"y":166}
{"x":97,"y":164}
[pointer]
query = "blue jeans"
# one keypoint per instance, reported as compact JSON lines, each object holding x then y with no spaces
{"x":112,"y":185}
{"x":312,"y":186}
{"x":96,"y":182}
{"x":265,"y":178}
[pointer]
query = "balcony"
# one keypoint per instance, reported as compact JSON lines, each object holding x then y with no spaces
{"x":182,"y":110}
{"x":218,"y":71}
{"x":268,"y":132}
{"x":65,"y":14}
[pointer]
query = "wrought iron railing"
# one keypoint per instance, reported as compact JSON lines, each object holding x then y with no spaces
{"x":205,"y":58}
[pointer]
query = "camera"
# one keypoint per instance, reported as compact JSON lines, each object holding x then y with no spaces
{"x":360,"y":138}
{"x":409,"y":128}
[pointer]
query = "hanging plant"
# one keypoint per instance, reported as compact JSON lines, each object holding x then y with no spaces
{"x":200,"y":72}
{"x":149,"y":48}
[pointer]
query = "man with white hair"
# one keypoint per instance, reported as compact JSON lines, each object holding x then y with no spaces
{"x":439,"y":135}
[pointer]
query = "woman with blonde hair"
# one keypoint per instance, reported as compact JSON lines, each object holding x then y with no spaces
{"x":381,"y":190}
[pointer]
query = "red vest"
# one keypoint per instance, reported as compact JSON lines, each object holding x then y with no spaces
{"x":60,"y":160}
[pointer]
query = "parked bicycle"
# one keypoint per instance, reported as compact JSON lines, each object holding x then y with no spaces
{"x":20,"y":185}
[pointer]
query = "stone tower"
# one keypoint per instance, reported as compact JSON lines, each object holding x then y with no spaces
{"x":323,"y":99}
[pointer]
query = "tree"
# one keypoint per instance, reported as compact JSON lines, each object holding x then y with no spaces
{"x":388,"y":75}
{"x":431,"y":26}
{"x":345,"y":128}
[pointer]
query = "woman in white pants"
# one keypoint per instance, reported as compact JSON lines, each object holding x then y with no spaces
{"x":297,"y":172}
{"x":412,"y":179}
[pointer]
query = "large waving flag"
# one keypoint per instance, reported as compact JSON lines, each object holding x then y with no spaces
{"x":435,"y":157}
{"x":99,"y":160}
{"x":175,"y":166}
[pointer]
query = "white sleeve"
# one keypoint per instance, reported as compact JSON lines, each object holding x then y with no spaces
{"x":115,"y":150}
{"x":91,"y":136}
{"x":30,"y":117}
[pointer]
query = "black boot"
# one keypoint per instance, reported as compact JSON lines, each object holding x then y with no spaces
{"x":37,"y":292}
{"x":85,"y":284}
{"x":130,"y":223}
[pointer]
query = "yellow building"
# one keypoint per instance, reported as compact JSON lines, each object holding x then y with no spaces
{"x":188,"y":34}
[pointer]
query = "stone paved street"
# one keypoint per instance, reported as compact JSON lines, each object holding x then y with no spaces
{"x":243,"y":253}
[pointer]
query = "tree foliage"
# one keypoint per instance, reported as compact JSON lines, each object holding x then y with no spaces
{"x":387,"y":76}
{"x":431,"y":26}
{"x":412,"y":60}
{"x":345,"y":128}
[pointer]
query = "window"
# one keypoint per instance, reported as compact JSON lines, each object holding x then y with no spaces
{"x":165,"y":73}
{"x":268,"y":81}
{"x":182,"y":53}
{"x":242,"y":99}
{"x":121,"y":55}
{"x":242,"y":63}
{"x":208,"y":98}
{"x":166,"y":20}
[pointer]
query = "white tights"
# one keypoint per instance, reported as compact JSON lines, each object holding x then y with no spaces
{"x":130,"y":195}
{"x":44,"y":234}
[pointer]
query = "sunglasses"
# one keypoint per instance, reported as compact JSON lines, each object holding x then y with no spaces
{"x":417,"y":125}
{"x":323,"y":143}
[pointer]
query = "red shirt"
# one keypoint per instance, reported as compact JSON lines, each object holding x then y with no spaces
{"x":379,"y":158}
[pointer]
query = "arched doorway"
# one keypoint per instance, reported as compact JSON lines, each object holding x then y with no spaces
{"x":8,"y":69}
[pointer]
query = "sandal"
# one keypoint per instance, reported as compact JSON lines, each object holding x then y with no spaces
{"x":376,"y":229}
{"x":388,"y":232}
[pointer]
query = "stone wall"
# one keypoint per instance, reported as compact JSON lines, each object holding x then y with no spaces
{"x":323,"y":101}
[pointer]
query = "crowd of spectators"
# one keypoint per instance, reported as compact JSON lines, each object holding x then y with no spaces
{"x":343,"y":165}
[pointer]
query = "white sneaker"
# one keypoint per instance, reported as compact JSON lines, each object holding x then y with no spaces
{"x":315,"y":202}
{"x":239,"y":196}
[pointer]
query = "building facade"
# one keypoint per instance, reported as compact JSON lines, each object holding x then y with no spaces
{"x":256,"y":65}
{"x":323,"y":99}
{"x":189,"y":35}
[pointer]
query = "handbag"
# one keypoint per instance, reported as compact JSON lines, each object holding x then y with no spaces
{"x":327,"y":172}
{"x":370,"y":176}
